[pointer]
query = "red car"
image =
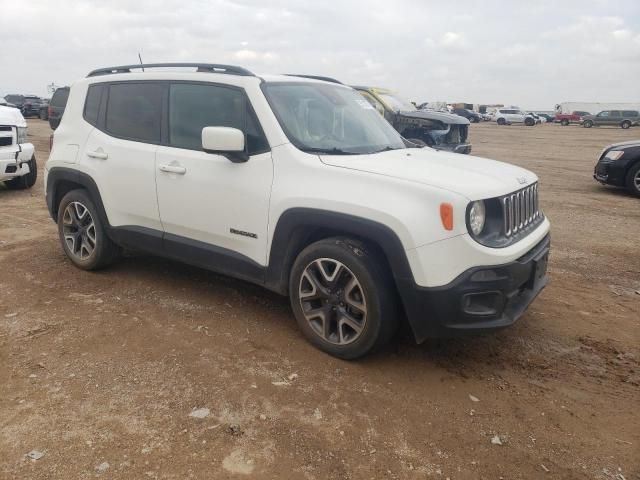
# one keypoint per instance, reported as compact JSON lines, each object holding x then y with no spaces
{"x":567,"y":118}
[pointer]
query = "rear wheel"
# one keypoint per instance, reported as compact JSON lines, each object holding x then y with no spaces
{"x":25,"y":181}
{"x":501,"y":121}
{"x":625,"y":124}
{"x":82,"y":233}
{"x":342,"y":298}
{"x":564,"y":122}
{"x":587,"y":124}
{"x":633,"y":180}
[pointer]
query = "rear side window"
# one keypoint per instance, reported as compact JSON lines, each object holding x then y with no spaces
{"x":195,"y":106}
{"x":92,"y":104}
{"x":134,"y":111}
{"x":629,"y":113}
{"x":616,"y":113}
{"x":60,"y":97}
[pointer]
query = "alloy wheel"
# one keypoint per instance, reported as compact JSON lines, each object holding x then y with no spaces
{"x":79,"y":230}
{"x":636,"y":181}
{"x":332,"y":301}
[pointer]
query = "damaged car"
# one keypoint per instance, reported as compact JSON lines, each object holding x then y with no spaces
{"x":439,"y":130}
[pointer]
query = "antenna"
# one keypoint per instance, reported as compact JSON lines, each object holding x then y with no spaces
{"x":140,"y":58}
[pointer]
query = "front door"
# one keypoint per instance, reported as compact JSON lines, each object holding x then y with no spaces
{"x":208,"y":203}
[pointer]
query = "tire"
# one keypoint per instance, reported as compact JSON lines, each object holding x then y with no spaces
{"x":633,"y":179}
{"x":529,"y":122}
{"x":340,"y":276}
{"x":625,"y":124}
{"x":25,"y":181}
{"x":587,"y":124}
{"x":475,"y":119}
{"x":501,"y":121}
{"x":564,"y":122}
{"x":78,"y":221}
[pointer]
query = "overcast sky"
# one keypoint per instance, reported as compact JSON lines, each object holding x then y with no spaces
{"x":533,"y":54}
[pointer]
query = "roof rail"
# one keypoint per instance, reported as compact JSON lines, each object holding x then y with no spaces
{"x":315,"y":77}
{"x":200,"y":67}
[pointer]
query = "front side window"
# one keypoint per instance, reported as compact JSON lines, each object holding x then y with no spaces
{"x":134,"y":111}
{"x":603,"y":114}
{"x":328,"y":118}
{"x":195,"y":106}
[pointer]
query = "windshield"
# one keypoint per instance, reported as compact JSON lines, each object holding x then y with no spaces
{"x":326,"y":118}
{"x":396,"y":103}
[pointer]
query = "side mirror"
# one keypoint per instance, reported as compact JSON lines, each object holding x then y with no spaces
{"x":225,"y":141}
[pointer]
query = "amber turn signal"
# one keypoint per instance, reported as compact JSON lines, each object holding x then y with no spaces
{"x":446,"y":215}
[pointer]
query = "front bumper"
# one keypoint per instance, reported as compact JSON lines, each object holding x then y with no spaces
{"x":480,"y":300}
{"x":13,"y":162}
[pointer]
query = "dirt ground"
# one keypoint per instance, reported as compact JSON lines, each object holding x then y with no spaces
{"x":101,"y":371}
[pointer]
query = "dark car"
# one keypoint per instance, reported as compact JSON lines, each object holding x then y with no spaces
{"x":442,"y":131}
{"x":468,"y":114}
{"x":57,"y":105}
{"x":621,"y":118}
{"x":619,"y":165}
{"x":31,"y":106}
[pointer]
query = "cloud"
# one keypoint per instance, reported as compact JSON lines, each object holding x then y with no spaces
{"x":532,"y":54}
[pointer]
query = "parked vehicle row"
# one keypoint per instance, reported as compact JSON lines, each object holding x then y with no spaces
{"x":29,"y":105}
{"x":327,"y":203}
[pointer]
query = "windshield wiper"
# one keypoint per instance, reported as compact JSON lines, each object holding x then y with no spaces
{"x":328,"y":151}
{"x":385,"y":149}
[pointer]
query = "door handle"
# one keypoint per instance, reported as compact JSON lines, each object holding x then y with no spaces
{"x":98,"y":154}
{"x":173,"y":169}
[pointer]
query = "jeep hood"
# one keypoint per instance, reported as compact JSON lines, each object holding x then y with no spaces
{"x":473,"y":177}
{"x":12,"y":117}
{"x":447,"y":118}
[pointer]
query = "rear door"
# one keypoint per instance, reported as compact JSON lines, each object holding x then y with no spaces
{"x":120,"y":152}
{"x":615,"y":118}
{"x":204,"y":197}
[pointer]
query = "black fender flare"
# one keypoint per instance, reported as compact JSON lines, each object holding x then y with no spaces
{"x":60,"y":177}
{"x":296,"y":227}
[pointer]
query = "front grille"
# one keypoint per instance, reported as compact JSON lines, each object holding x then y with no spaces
{"x":520,"y":210}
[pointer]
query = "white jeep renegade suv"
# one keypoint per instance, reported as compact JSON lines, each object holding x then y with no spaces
{"x":298,"y":185}
{"x":18,"y":168}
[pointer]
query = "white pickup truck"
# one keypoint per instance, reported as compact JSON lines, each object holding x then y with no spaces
{"x":18,"y":168}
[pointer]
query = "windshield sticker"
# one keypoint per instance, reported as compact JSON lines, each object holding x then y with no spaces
{"x":364,"y":104}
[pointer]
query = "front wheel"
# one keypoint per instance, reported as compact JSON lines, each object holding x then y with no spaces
{"x":83,"y":234}
{"x":501,"y":121}
{"x":564,"y":122}
{"x":633,"y":180}
{"x":25,"y":181}
{"x":529,"y":122}
{"x":587,"y":124}
{"x":342,"y":298}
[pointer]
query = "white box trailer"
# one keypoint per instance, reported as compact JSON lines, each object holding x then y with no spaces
{"x":594,"y":107}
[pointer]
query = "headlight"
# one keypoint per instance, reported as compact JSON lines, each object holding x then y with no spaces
{"x":22,"y":134}
{"x":477,"y":217}
{"x":614,"y":154}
